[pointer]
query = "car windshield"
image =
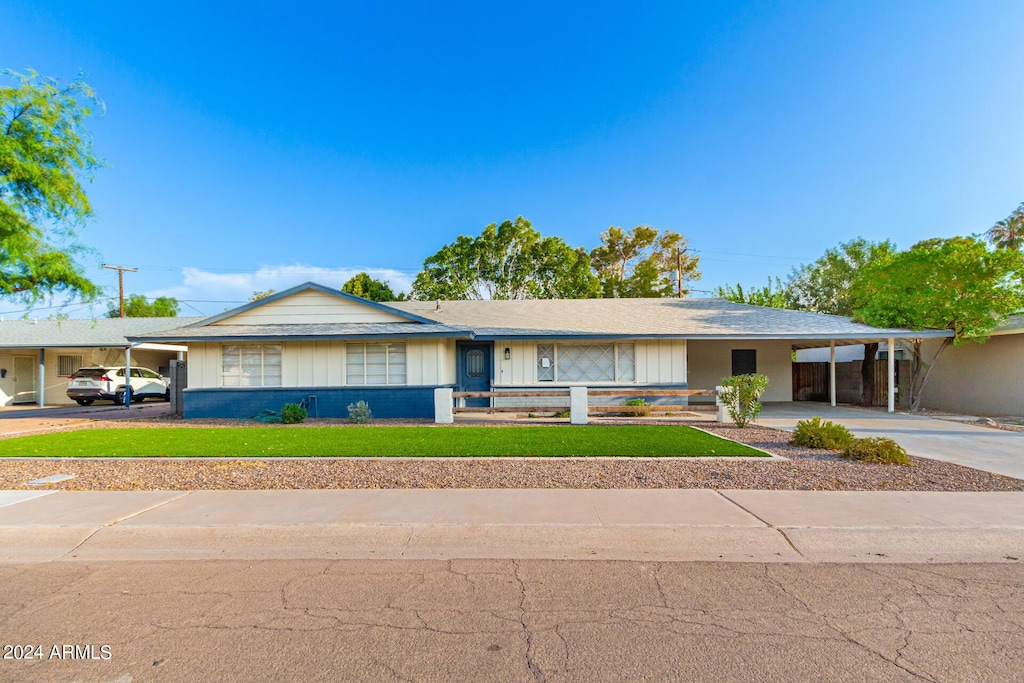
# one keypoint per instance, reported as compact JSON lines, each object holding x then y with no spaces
{"x":88,"y":372}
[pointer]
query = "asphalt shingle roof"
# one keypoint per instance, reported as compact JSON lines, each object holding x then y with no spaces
{"x":711,"y":318}
{"x":81,"y":333}
{"x":304,"y":332}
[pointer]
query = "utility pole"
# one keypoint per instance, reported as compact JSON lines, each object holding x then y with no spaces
{"x":120,"y":281}
{"x":679,"y":272}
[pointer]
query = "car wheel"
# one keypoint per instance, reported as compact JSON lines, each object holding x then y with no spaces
{"x":167,"y":396}
{"x":119,"y":398}
{"x":84,"y":401}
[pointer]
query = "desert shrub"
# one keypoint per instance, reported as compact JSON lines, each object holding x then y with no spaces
{"x":637,"y":402}
{"x":814,"y":433}
{"x":562,"y":413}
{"x":741,"y":397}
{"x":292,"y":413}
{"x":877,"y":449}
{"x":359,"y":412}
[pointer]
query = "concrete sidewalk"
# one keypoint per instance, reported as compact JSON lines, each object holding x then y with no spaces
{"x":657,"y":525}
{"x":983,"y":448}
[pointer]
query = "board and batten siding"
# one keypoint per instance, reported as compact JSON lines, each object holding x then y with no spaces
{"x":312,"y":306}
{"x":658,"y":361}
{"x":711,"y":360}
{"x":429,"y":362}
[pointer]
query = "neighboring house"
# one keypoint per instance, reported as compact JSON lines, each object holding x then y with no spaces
{"x":38,"y":356}
{"x":979,"y":379}
{"x":313,"y":341}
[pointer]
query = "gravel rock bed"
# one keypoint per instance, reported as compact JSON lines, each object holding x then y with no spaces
{"x":806,"y":469}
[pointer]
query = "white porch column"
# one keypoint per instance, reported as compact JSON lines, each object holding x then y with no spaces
{"x":443,"y":414}
{"x":127,"y":376}
{"x":41,"y":383}
{"x":892,"y":373}
{"x":832,"y":371}
{"x":578,"y":411}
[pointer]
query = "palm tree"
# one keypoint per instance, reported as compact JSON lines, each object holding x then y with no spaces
{"x":1008,"y":233}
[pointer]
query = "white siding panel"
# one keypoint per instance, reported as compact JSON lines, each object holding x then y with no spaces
{"x":312,"y":306}
{"x":335,"y":363}
{"x":289,"y":364}
{"x":643,"y":352}
{"x":678,"y":360}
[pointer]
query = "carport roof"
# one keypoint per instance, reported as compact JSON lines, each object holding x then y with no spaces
{"x":81,"y":333}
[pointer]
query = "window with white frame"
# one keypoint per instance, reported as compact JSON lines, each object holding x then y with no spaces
{"x":68,"y":364}
{"x":586,"y":362}
{"x":250,"y":365}
{"x":375,"y":363}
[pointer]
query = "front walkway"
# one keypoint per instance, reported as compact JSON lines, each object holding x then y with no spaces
{"x":982,"y":448}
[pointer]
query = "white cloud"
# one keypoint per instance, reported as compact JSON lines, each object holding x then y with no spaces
{"x":206,"y":286}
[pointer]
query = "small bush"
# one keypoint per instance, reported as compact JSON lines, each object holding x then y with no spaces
{"x":877,"y":449}
{"x":814,"y":433}
{"x":562,"y":413}
{"x":637,"y":402}
{"x":359,"y":412}
{"x":293,"y":414}
{"x":741,"y":397}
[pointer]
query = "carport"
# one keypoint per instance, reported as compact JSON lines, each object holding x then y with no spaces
{"x":37,"y":356}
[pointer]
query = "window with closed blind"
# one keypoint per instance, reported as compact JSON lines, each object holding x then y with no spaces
{"x":375,"y":363}
{"x":250,"y":365}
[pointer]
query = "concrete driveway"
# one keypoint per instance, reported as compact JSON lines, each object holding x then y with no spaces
{"x":982,"y":448}
{"x":27,"y":419}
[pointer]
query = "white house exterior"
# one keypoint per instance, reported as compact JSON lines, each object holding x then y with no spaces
{"x":330,"y":349}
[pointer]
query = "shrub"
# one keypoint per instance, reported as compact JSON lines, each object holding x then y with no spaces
{"x":741,"y":395}
{"x":877,"y":449}
{"x":562,"y":413}
{"x":814,"y":433}
{"x":637,"y":402}
{"x":293,"y":413}
{"x":359,"y":412}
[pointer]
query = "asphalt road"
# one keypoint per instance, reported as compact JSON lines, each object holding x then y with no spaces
{"x":506,"y":620}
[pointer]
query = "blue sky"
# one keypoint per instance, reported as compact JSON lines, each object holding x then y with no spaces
{"x":259,"y":145}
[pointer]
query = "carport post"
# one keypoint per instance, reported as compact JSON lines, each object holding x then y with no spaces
{"x":832,"y":371}
{"x":892,"y":374}
{"x":127,"y":376}
{"x":42,"y":377}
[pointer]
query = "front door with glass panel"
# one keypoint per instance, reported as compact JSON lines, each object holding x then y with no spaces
{"x":475,"y":371}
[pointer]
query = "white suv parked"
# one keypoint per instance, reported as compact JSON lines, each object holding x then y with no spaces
{"x":107,"y":384}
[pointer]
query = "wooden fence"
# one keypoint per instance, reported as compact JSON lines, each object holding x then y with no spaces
{"x":564,"y":393}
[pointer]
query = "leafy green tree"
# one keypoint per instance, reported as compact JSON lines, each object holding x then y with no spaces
{"x":45,"y":154}
{"x":825,"y":286}
{"x":955,"y":284}
{"x":361,"y":284}
{"x":642,"y":262}
{"x":1009,"y":232}
{"x":507,"y":261}
{"x":138,"y":306}
{"x":772,"y":295}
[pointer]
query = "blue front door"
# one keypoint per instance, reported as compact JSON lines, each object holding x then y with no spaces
{"x":475,"y":371}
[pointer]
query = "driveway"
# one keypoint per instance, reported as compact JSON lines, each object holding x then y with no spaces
{"x":27,"y":419}
{"x":983,"y":448}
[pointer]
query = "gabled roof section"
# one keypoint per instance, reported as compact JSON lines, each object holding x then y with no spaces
{"x":81,"y":333}
{"x":311,"y":302}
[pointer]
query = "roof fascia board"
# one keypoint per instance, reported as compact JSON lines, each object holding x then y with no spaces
{"x":320,"y":288}
{"x":903,"y":334}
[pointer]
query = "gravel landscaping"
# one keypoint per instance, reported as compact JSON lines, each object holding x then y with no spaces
{"x":806,"y":469}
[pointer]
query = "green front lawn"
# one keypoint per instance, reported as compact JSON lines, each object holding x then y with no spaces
{"x":626,"y":440}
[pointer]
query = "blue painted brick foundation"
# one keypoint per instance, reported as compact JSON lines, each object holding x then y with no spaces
{"x":239,"y":403}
